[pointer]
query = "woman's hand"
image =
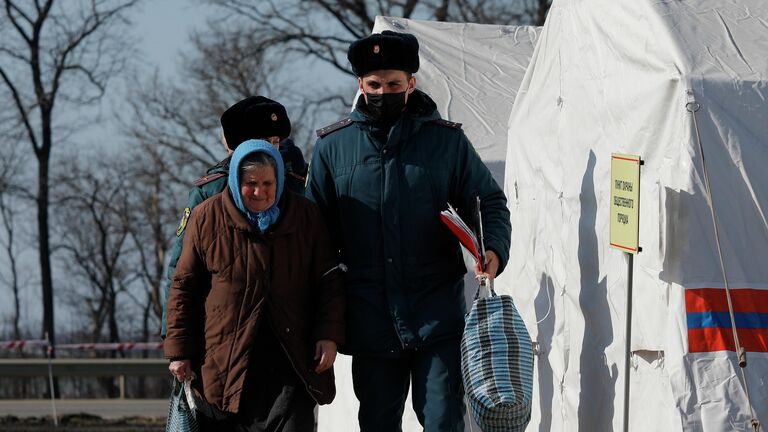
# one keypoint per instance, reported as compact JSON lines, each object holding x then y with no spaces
{"x":325,"y":351}
{"x":181,"y":369}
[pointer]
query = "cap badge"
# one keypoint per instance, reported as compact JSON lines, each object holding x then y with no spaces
{"x":274,"y":117}
{"x":376,"y":49}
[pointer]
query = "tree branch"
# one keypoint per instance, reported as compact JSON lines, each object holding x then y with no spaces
{"x":22,"y":112}
{"x":10,"y":7}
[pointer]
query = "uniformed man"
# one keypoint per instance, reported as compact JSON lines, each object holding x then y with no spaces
{"x":381,"y":177}
{"x":255,"y":117}
{"x":295,"y":166}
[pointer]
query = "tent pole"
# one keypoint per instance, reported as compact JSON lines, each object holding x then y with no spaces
{"x":628,"y":341}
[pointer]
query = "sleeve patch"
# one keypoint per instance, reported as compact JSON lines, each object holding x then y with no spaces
{"x":183,"y":223}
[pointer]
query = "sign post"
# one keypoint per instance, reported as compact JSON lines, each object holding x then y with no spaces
{"x":624,"y":236}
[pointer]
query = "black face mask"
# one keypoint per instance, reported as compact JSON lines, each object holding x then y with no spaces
{"x":385,"y":108}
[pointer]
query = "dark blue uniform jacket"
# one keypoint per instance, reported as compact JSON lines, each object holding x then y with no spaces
{"x":381,"y":191}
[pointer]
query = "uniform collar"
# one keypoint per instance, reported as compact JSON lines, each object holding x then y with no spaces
{"x":221,"y":167}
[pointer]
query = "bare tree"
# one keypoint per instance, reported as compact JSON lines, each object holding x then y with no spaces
{"x":323,"y":29}
{"x":252,"y":48}
{"x":92,"y":213}
{"x":56,"y":53}
{"x":308,"y":32}
{"x":10,"y":195}
{"x":150,"y":215}
{"x":177,"y":121}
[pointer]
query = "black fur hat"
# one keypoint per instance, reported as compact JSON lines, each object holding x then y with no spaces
{"x":254,"y":117}
{"x":385,"y":50}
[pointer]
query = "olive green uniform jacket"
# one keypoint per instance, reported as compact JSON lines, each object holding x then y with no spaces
{"x":213,"y":182}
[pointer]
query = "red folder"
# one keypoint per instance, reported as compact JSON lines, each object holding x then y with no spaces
{"x":462,"y":232}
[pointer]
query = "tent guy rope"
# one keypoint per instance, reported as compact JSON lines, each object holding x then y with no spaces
{"x":693,"y":107}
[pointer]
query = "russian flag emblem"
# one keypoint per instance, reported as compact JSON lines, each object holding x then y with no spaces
{"x":709,"y":323}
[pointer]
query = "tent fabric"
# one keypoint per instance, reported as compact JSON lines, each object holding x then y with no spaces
{"x":608,"y":77}
{"x":472,"y":72}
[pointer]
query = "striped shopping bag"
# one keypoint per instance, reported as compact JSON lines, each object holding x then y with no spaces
{"x":181,"y":417}
{"x":497,"y":365}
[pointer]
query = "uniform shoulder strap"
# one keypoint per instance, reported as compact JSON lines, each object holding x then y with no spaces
{"x":208,"y":178}
{"x":334,"y":127}
{"x":447,"y":123}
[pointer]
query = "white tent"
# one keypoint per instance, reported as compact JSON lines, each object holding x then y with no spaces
{"x":620,"y":76}
{"x":472,"y":72}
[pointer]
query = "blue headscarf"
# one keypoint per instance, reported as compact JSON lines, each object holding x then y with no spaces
{"x":261,"y":220}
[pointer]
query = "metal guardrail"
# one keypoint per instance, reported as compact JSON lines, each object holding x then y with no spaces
{"x":85,"y":368}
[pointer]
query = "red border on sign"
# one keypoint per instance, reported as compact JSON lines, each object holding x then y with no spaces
{"x":623,"y":247}
{"x":626,"y":159}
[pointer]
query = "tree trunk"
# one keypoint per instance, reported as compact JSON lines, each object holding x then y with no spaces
{"x":114,"y":331}
{"x":46,"y":281}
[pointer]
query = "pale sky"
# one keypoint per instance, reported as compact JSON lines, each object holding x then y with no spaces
{"x":164,"y":27}
{"x":161,"y":30}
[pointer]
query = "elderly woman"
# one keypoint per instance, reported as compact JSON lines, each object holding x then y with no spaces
{"x":256,"y":306}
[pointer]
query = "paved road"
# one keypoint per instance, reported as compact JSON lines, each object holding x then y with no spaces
{"x":105,"y":408}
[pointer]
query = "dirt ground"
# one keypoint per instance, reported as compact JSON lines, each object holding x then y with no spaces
{"x":81,"y":422}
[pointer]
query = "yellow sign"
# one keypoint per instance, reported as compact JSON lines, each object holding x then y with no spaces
{"x":625,"y":202}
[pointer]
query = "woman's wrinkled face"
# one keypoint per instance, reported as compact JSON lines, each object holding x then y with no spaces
{"x":258,"y":187}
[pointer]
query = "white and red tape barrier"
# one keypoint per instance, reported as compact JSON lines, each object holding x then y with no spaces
{"x":119,"y":346}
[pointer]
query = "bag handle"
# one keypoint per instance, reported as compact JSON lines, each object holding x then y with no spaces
{"x":183,"y":391}
{"x":485,"y":288}
{"x":177,"y":387}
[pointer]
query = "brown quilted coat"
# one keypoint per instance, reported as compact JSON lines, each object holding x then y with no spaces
{"x":229,"y":276}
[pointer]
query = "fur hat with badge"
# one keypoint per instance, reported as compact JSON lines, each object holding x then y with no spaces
{"x":385,"y":50}
{"x":254,"y":117}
